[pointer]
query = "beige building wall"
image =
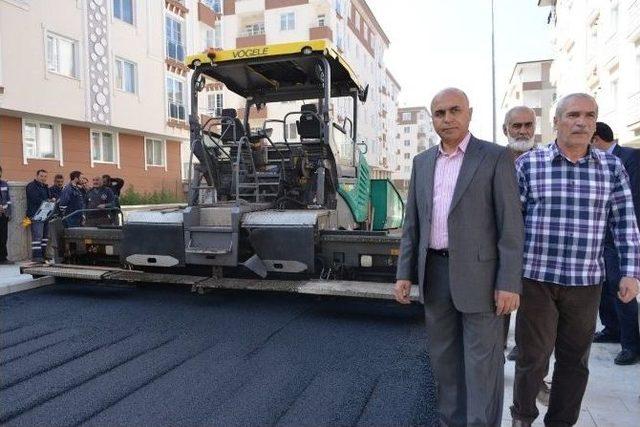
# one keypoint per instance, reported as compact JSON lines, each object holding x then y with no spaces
{"x":415,"y":134}
{"x":597,"y":50}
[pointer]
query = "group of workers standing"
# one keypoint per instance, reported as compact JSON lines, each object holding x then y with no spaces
{"x":77,"y":202}
{"x":542,"y":230}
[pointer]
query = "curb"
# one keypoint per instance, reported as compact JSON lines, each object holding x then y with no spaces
{"x":25,"y":286}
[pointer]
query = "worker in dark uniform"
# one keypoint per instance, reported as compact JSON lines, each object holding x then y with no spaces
{"x":99,"y":197}
{"x":115,"y":184}
{"x":56,"y":189}
{"x":5,"y":217}
{"x":72,"y":200}
{"x":38,"y":192}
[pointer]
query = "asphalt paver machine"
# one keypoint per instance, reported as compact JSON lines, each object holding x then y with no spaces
{"x":275,"y":203}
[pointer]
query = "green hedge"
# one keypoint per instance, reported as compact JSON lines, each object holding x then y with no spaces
{"x":131,"y":197}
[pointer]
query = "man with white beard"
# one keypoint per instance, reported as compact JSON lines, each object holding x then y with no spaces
{"x":520,"y":127}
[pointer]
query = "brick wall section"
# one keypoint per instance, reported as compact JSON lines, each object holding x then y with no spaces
{"x":229,"y":7}
{"x":77,"y":156}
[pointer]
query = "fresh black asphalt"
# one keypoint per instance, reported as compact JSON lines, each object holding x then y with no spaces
{"x":75,"y":353}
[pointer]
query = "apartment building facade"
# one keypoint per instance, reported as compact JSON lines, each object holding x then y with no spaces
{"x":530,"y":85}
{"x":597,"y":50}
{"x":352,"y":28}
{"x":415,"y":134}
{"x":92,"y":85}
{"x":104,"y":88}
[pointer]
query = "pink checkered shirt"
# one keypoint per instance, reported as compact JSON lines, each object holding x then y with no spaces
{"x":444,"y":182}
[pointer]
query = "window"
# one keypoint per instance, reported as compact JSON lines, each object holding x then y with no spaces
{"x":287,"y":21}
{"x":213,"y":38}
{"x":291,"y":131}
{"x":614,"y":93}
{"x":407,"y":143}
{"x":61,"y":55}
{"x":407,"y":129}
{"x":176,"y":98}
{"x":103,"y":147}
{"x":123,"y":10}
{"x":214,"y":5}
{"x":215,"y":103}
{"x":125,"y":75}
{"x":321,"y":21}
{"x":406,"y":116}
{"x":154,"y":152}
{"x":253,"y":29}
{"x":175,"y":40}
{"x":613,"y":24}
{"x":407,"y":156}
{"x":39,"y":140}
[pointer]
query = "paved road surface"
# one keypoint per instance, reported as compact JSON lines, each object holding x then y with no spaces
{"x":72,"y":354}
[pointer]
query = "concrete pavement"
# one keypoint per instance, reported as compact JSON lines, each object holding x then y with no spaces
{"x":12,"y":281}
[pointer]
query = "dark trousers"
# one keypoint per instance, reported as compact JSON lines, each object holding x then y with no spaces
{"x":4,"y":234}
{"x":39,"y":239}
{"x":619,"y":319}
{"x":466,"y":355}
{"x":554,"y":316}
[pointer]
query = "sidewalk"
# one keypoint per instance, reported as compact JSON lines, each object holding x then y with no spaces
{"x":613,"y":392}
{"x":12,"y":281}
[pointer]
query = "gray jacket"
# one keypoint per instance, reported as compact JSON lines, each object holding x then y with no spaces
{"x":485,"y":227}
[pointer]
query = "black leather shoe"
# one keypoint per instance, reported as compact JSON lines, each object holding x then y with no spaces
{"x":604,"y":336}
{"x":626,"y":357}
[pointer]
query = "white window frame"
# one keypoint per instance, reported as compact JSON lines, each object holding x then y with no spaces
{"x":255,"y":29}
{"x":57,"y":141}
{"x":407,"y":129}
{"x":406,"y":116}
{"x":133,"y":13}
{"x":288,"y":21}
{"x":184,"y":97}
{"x":218,"y":102}
{"x":76,"y":55}
{"x":116,"y":147}
{"x":120,"y":68}
{"x":322,"y":20}
{"x":183,"y":36}
{"x":407,"y":143}
{"x":614,"y":17}
{"x":164,"y":154}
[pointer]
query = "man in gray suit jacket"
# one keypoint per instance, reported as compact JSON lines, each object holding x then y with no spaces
{"x":462,"y":243}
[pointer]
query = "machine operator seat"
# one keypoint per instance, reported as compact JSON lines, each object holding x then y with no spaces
{"x":229,"y":122}
{"x":309,"y":125}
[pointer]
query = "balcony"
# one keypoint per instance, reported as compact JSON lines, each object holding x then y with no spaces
{"x":251,"y":40}
{"x":253,"y":35}
{"x":207,"y":15}
{"x":320,"y":33}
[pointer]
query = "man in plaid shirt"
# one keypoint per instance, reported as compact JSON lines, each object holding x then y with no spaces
{"x":570,"y":194}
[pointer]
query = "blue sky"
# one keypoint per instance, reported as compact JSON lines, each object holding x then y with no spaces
{"x":435,"y":44}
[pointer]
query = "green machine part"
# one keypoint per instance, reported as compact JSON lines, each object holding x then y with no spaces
{"x":357,"y":196}
{"x":387,"y":205}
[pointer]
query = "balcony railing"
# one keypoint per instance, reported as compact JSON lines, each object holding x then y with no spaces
{"x":250,"y":32}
